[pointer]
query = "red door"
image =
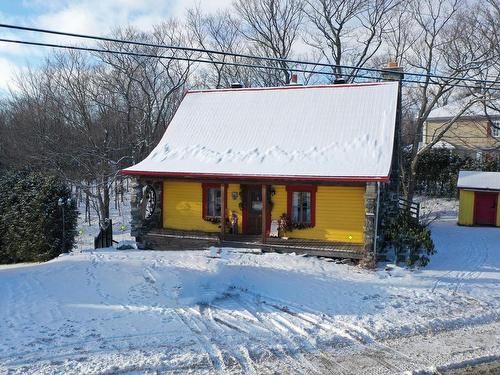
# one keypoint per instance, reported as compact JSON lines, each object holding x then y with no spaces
{"x":485,"y":208}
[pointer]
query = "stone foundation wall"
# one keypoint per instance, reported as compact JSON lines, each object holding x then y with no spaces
{"x":370,"y":214}
{"x":139,"y":225}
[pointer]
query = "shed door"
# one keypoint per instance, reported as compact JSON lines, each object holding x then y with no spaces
{"x":485,"y":208}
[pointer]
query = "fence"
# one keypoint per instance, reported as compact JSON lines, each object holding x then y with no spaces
{"x":412,"y":208}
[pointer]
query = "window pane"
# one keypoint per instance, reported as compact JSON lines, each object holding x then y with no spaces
{"x":218,"y":205}
{"x":301,"y":207}
{"x":213,"y":202}
{"x":306,"y":207}
{"x":295,"y":206}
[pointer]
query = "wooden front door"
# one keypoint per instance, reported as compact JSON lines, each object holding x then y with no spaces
{"x":253,"y":209}
{"x":485,"y":208}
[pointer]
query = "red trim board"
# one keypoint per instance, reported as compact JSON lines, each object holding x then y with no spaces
{"x":255,"y":177}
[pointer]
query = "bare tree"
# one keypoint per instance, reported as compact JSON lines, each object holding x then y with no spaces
{"x":219,"y":32}
{"x":440,"y":41}
{"x":148,"y":89}
{"x":348,"y":32}
{"x":272,"y":27}
{"x":86,"y":117}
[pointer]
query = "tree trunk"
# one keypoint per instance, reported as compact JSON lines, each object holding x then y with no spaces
{"x":412,"y":179}
{"x":87,"y":208}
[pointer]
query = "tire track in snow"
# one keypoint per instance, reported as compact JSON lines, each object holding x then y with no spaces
{"x":214,"y":354}
{"x":296,"y":341}
{"x":361,"y":337}
{"x":215,"y":320}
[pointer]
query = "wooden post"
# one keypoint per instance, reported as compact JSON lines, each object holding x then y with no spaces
{"x":264,"y":212}
{"x":222,"y":210}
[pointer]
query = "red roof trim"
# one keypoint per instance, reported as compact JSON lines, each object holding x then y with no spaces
{"x":289,"y":87}
{"x":256,"y":177}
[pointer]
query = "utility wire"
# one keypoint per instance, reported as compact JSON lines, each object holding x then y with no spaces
{"x":205,"y":61}
{"x":232,"y":54}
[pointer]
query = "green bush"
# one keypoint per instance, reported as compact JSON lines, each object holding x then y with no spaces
{"x":437,"y":171}
{"x":30,"y":218}
{"x":411,"y":240}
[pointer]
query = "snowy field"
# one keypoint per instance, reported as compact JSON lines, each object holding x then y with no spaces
{"x":231,"y":311}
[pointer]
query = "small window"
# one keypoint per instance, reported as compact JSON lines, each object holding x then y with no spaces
{"x":213,"y":197}
{"x":301,"y":204}
{"x":495,"y":129}
{"x":301,"y":207}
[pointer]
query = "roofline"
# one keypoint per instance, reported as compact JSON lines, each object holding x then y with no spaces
{"x":256,"y":177}
{"x":464,"y":117}
{"x":291,"y":87}
{"x":493,"y":190}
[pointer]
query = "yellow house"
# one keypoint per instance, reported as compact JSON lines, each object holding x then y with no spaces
{"x":479,"y":198}
{"x":294,"y":168}
{"x":476,"y":133}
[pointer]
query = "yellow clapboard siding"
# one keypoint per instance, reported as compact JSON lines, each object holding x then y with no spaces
{"x":466,"y":208}
{"x":182,"y":207}
{"x":340,"y":213}
{"x":279,"y":202}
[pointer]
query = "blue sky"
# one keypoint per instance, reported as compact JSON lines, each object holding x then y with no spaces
{"x":97,"y":17}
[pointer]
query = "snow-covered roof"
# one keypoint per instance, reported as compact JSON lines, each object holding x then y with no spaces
{"x":443,"y":145}
{"x":479,"y":180}
{"x":317,"y":132}
{"x":478,"y":109}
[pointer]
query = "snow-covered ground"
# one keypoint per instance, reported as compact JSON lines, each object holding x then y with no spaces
{"x":234,"y":311}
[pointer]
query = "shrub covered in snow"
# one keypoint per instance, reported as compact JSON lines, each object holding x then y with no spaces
{"x":31,"y":220}
{"x":411,"y":240}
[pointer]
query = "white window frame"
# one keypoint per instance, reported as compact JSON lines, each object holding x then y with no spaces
{"x":214,"y":204}
{"x":298,"y":212}
{"x":495,"y":129}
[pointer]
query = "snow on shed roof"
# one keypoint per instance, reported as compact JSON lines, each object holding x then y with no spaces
{"x":317,"y":132}
{"x":479,"y":180}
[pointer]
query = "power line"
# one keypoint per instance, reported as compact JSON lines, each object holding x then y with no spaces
{"x":232,"y":54}
{"x":189,"y":59}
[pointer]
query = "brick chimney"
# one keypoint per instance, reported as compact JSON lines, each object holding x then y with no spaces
{"x":393,"y":72}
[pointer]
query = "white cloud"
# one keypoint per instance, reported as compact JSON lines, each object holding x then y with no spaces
{"x":94,"y":17}
{"x":8,"y":73}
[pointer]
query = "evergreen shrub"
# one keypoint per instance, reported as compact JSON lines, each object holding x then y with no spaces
{"x":411,"y":240}
{"x":31,"y":221}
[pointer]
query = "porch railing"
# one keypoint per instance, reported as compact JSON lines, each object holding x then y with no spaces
{"x":413,"y":208}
